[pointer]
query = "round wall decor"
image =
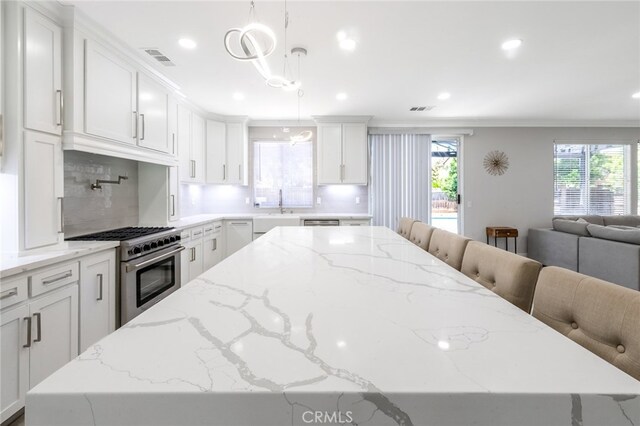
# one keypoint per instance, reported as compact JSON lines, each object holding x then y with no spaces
{"x":496,"y":163}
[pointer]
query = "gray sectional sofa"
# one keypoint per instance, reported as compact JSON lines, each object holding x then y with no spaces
{"x":605,"y":247}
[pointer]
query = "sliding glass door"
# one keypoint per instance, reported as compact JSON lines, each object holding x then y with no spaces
{"x":445,"y":188}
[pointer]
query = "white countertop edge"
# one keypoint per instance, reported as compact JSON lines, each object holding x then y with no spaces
{"x":200,"y":219}
{"x":14,"y":263}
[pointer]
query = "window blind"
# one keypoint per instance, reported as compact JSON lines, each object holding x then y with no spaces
{"x":591,"y":179}
{"x":399,"y":178}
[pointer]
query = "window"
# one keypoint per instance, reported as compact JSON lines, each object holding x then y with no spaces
{"x":591,"y":179}
{"x":283,"y":166}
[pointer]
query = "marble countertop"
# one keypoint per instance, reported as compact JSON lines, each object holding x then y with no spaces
{"x":349,"y":322}
{"x":196,"y":220}
{"x":14,"y":263}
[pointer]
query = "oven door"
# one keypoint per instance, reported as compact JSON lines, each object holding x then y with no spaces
{"x":147,"y":280}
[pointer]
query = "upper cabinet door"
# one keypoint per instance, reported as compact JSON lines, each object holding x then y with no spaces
{"x":197,"y":148}
{"x":110,"y":95}
{"x":43,"y":190}
{"x":216,"y":148}
{"x":43,"y":97}
{"x":354,"y":153}
{"x":236,"y":169}
{"x":172,"y":125}
{"x":152,"y":109}
{"x":330,"y":168}
{"x":184,"y":144}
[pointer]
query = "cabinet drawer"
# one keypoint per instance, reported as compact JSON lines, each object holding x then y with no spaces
{"x":196,"y":233}
{"x":354,"y":222}
{"x":208,"y":229}
{"x":13,"y":291}
{"x":185,"y":235}
{"x":54,"y":277}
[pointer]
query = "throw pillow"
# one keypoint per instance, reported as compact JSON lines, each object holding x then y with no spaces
{"x":571,"y":227}
{"x":631,"y":236}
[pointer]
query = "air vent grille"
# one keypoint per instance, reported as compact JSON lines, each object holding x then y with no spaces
{"x":160,"y":57}
{"x":422,"y":108}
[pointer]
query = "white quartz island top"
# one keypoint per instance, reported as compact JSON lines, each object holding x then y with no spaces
{"x":337,"y":325}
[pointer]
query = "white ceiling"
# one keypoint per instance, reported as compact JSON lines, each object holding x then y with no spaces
{"x":579,"y":62}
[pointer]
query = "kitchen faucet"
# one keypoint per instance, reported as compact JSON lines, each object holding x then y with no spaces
{"x":280,"y":201}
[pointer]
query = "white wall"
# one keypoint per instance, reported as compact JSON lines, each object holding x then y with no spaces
{"x":523,"y":196}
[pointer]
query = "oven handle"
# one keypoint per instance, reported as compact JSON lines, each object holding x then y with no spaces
{"x":131,"y":268}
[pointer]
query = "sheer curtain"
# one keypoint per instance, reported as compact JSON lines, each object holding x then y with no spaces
{"x":399,"y":178}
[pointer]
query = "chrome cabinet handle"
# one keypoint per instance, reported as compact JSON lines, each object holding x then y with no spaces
{"x":9,"y":293}
{"x":100,"y":282}
{"x":193,"y":166}
{"x":224,"y":172}
{"x":142,"y":117}
{"x":61,"y":231}
{"x":62,"y":277}
{"x":173,"y":205}
{"x":38,"y":338}
{"x":60,"y":108}
{"x":240,"y":172}
{"x":173,"y":140}
{"x":135,"y":124}
{"x":28,"y":320}
{"x":130,"y":268}
{"x":240,"y":223}
{"x":193,"y":254}
{"x":214,"y":245}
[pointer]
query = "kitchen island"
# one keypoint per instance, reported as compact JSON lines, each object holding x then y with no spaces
{"x":335,"y":325}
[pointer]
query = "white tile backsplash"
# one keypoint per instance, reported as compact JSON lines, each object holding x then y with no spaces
{"x":114,"y":206}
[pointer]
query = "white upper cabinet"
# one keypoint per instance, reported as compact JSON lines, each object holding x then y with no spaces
{"x":342,"y":153}
{"x":43,"y":97}
{"x":184,"y":143}
{"x":43,"y":190}
{"x":191,"y":139}
{"x":197,"y":148}
{"x":329,"y":154}
{"x":152,"y":115}
{"x":216,"y":148}
{"x":237,"y":152}
{"x":354,"y":153}
{"x":172,"y":125}
{"x":110,"y":95}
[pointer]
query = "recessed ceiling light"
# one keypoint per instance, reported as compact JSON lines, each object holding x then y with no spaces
{"x":238,"y":96}
{"x":347,"y":44}
{"x":444,"y":96}
{"x":341,"y":96}
{"x":636,"y":95}
{"x":341,"y":35}
{"x":187,"y":43}
{"x":511,"y":44}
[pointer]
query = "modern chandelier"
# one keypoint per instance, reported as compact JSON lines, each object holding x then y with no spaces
{"x":254,"y":42}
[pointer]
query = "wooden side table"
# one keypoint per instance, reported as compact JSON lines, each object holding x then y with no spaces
{"x":505,"y":232}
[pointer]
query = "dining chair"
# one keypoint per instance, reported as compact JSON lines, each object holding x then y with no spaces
{"x":404,"y":226}
{"x":421,"y":234}
{"x":510,"y":276}
{"x":448,"y":247}
{"x":599,"y":315}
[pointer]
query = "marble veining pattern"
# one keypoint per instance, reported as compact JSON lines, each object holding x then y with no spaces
{"x":355,"y":322}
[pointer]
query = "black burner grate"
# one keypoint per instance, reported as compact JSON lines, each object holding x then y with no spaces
{"x":120,"y":234}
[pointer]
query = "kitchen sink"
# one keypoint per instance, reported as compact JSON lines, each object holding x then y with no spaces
{"x":264,"y":223}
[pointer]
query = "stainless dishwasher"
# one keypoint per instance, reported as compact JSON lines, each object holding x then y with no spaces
{"x":321,"y":222}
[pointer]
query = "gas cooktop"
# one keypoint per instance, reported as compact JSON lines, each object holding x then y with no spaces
{"x":120,"y":234}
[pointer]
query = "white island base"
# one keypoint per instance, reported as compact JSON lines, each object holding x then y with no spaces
{"x":351,"y":325}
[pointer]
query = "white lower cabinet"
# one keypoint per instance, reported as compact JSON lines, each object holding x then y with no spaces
{"x":97,"y":297}
{"x":212,"y":247}
{"x":14,"y":368}
{"x":238,"y":234}
{"x":46,"y":316}
{"x":37,"y":339}
{"x":191,"y":259}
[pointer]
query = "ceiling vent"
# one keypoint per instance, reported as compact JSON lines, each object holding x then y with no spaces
{"x":422,"y":108}
{"x":158,"y":56}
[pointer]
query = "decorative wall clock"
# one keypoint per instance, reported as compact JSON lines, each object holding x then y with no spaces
{"x":496,"y":163}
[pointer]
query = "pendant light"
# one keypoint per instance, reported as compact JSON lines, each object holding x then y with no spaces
{"x":307,"y":134}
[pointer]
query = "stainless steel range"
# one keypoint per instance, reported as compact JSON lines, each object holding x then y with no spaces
{"x":149,"y":266}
